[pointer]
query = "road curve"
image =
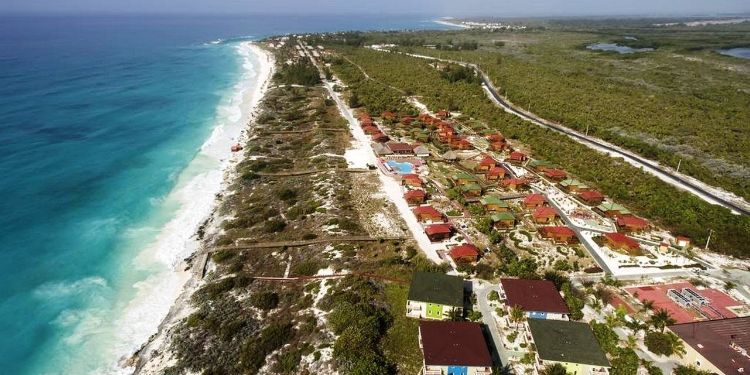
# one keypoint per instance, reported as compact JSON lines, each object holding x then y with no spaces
{"x":673,"y":178}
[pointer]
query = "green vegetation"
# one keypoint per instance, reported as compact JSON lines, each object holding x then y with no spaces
{"x":300,"y":73}
{"x":664,"y":343}
{"x":646,"y":195}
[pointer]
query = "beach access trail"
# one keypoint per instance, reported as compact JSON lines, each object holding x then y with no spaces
{"x":708,"y":193}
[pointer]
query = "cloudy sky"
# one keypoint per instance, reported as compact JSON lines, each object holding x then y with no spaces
{"x":432,"y":7}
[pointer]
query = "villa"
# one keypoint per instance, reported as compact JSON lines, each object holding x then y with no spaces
{"x":619,"y":241}
{"x":493,"y":203}
{"x":573,"y":186}
{"x":517,"y":157}
{"x":435,"y":296}
{"x":438,"y":232}
{"x":558,"y":234}
{"x":412,"y":180}
{"x":630,"y":223}
{"x":472,"y":190}
{"x":534,"y":201}
{"x":464,"y":253}
{"x":495,"y":173}
{"x":486,"y":164}
{"x":415,"y":197}
{"x":537,"y":298}
{"x":454,"y":348}
{"x":462,"y":178}
{"x":555,"y":174}
{"x":571,"y":344}
{"x":591,"y":197}
{"x":610,"y":209}
{"x":428,"y":214}
{"x":503,"y":220}
{"x":538,"y":165}
{"x":544,"y":215}
{"x":514,"y":183}
{"x":400,"y":148}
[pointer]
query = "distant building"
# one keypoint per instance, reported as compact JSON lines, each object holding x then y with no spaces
{"x":400,"y":148}
{"x":503,"y":220}
{"x":454,"y":348}
{"x":622,"y":242}
{"x":412,"y":180}
{"x":537,"y":298}
{"x":464,"y":253}
{"x":682,"y":241}
{"x":494,"y":203}
{"x":571,"y":344}
{"x":558,"y":234}
{"x":555,"y":174}
{"x":438,"y":232}
{"x":610,"y":209}
{"x":435,"y":296}
{"x":544,"y":215}
{"x":495,"y":173}
{"x":716,"y":346}
{"x":517,"y":157}
{"x":428,"y":214}
{"x":630,"y":223}
{"x":415,"y":197}
{"x":573,"y":186}
{"x":534,"y":201}
{"x":591,"y":197}
{"x":514,"y":183}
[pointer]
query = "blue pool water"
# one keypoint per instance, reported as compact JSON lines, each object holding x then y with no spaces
{"x":108,"y":165}
{"x":401,"y":167}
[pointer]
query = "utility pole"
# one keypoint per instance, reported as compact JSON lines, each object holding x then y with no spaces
{"x":587,"y":129}
{"x":678,"y":165}
{"x":709,"y":238}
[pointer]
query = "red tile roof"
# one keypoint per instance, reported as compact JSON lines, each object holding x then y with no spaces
{"x":488,"y":161}
{"x":544,"y":212}
{"x":517,"y":155}
{"x":591,"y":195}
{"x":555,"y":173}
{"x":415,"y":194}
{"x":454,"y":343}
{"x":534,"y":199}
{"x":426,"y":211}
{"x":631,"y":221}
{"x":534,"y":295}
{"x":438,"y":229}
{"x":560,"y":231}
{"x":496,"y":171}
{"x":400,"y":147}
{"x":464,"y":251}
{"x":515,"y":181}
{"x":622,"y":240}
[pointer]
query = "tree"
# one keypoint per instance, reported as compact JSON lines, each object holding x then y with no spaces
{"x":517,"y":315}
{"x":647,"y":305}
{"x":556,"y":369}
{"x":658,"y":343}
{"x":661,"y":319}
{"x":625,"y":363}
{"x":688,"y":370}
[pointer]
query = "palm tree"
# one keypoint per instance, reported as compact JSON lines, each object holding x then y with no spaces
{"x":648,"y":305}
{"x":661,"y":319}
{"x":556,"y":369}
{"x":678,"y":346}
{"x":517,"y":314}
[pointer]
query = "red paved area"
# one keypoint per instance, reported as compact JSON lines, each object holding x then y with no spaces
{"x":658,"y":293}
{"x":617,"y":302}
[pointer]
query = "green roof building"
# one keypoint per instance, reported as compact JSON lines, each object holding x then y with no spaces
{"x":571,"y":344}
{"x":503,"y":219}
{"x":462,"y":178}
{"x":571,"y":184}
{"x":434,"y":295}
{"x":612,"y":209}
{"x":494,"y":203}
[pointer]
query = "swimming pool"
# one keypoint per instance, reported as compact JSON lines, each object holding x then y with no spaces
{"x":401,"y":167}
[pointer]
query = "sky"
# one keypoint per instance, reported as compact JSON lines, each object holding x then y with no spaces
{"x":508,"y":8}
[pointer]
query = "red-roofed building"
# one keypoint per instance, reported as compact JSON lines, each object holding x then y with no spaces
{"x":464,"y":253}
{"x":558,"y":234}
{"x":716,"y":346}
{"x":555,"y":174}
{"x":498,"y":146}
{"x":682,"y":241}
{"x":456,"y":348}
{"x":380,"y":137}
{"x":591,"y":197}
{"x":407,"y":120}
{"x":400,"y":148}
{"x":388,"y":115}
{"x":438,"y":232}
{"x":534,"y":201}
{"x":544,"y":215}
{"x":517,"y":157}
{"x":495,"y":173}
{"x":538,"y":298}
{"x":514,"y":183}
{"x":622,"y":242}
{"x":370,"y":130}
{"x":415,"y":197}
{"x":412,"y":180}
{"x":428,"y":214}
{"x":486,"y":163}
{"x":461,"y":144}
{"x":444,"y":114}
{"x":630,"y":223}
{"x":497,"y":137}
{"x":366,"y":122}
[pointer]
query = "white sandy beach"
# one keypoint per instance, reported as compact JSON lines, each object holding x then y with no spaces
{"x":162,"y":299}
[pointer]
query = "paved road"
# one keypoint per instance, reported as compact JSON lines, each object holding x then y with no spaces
{"x":665,"y":174}
{"x":482,"y":288}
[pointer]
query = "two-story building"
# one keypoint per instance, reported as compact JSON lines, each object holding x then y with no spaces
{"x":435,"y":296}
{"x":454,"y":348}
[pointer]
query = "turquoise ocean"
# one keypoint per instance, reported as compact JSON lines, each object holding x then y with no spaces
{"x":112,"y":136}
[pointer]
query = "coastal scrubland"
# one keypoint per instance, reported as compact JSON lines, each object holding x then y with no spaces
{"x":682,"y":103}
{"x":391,"y":77}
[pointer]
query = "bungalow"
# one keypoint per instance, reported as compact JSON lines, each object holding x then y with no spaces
{"x":571,"y":344}
{"x":370,"y":129}
{"x":503,"y":220}
{"x":381,"y":149}
{"x":412,"y":180}
{"x":454,"y":348}
{"x":434,"y":296}
{"x":495,"y":173}
{"x":428,"y":214}
{"x":388,"y":115}
{"x":555,"y":174}
{"x":544,"y":215}
{"x":407,"y":120}
{"x":422,"y":151}
{"x":591,"y":197}
{"x":572,"y":185}
{"x":444,"y":114}
{"x":464,"y":253}
{"x":400,"y":148}
{"x":558,"y":234}
{"x":438,"y":232}
{"x":463,"y":178}
{"x":539,"y":299}
{"x":494,"y":203}
{"x":364,"y":116}
{"x":461,"y":144}
{"x":630,"y":223}
{"x":619,"y":241}
{"x":472,"y":190}
{"x":517,"y":157}
{"x":610,"y":209}
{"x":487,"y":163}
{"x":534,"y":201}
{"x":682,"y":241}
{"x":514,"y":183}
{"x":415,"y":197}
{"x":380,"y":137}
{"x":496,"y":137}
{"x":497,"y":146}
{"x":539,"y":165}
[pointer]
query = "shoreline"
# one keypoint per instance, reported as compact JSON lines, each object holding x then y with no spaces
{"x":152,"y":355}
{"x":450,"y":22}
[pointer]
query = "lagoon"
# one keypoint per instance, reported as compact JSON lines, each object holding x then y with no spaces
{"x":616,"y":48}
{"x":742,"y":52}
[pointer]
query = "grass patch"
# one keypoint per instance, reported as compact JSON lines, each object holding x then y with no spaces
{"x":401,"y":343}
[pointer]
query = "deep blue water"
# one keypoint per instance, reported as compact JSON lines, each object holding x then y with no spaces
{"x":99,"y":116}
